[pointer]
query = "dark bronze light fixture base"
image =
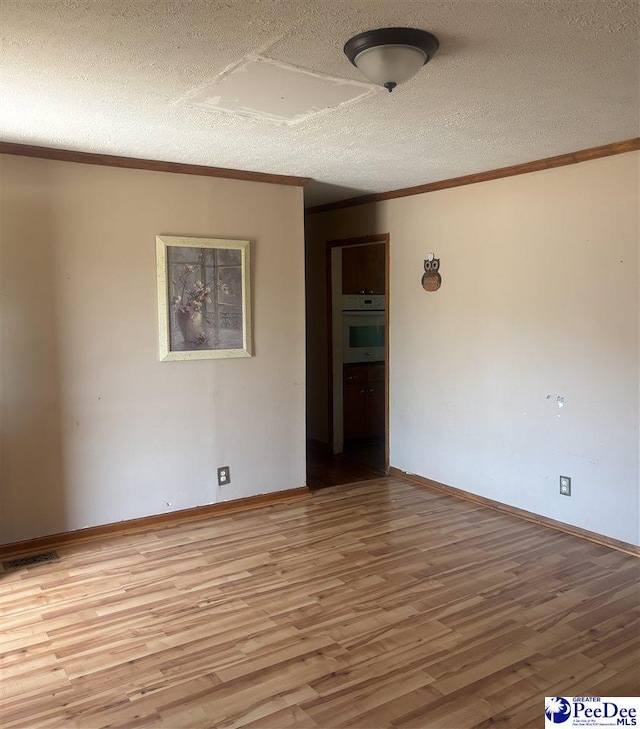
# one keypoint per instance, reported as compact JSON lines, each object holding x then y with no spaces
{"x":426,"y":42}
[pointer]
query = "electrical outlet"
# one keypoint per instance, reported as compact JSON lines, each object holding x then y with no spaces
{"x":224,"y":476}
{"x":565,"y":485}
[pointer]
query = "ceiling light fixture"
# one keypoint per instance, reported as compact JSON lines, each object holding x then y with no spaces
{"x":391,"y":56}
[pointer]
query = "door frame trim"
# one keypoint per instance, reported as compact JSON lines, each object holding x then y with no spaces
{"x":344,"y":243}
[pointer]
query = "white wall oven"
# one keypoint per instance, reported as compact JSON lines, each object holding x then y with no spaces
{"x":363,"y":328}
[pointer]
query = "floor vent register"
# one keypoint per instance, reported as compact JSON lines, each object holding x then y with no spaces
{"x":30,"y":560}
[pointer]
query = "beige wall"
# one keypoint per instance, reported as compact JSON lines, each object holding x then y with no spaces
{"x":95,"y":428}
{"x":539,"y":300}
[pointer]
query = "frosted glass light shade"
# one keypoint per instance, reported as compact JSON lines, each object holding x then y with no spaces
{"x":391,"y":56}
{"x":393,"y":64}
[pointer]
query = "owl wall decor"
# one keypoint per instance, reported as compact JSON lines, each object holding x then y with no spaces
{"x":431,"y":278}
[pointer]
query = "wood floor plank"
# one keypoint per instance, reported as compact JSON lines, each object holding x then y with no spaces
{"x":373,"y":605}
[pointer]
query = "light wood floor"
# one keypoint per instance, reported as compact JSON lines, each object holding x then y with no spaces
{"x":373,"y":605}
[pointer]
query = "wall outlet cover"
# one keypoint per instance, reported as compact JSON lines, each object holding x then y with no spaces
{"x":224,"y":476}
{"x":565,"y":485}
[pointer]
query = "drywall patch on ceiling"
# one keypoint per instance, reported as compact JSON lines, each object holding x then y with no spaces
{"x":513,"y":81}
{"x":277,"y":92}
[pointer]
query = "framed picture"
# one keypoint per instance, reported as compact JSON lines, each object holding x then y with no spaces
{"x":204,"y":301}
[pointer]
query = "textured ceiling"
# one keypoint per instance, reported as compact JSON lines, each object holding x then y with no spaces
{"x":513,"y":81}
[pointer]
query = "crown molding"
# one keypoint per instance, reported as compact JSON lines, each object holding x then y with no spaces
{"x":108,"y":160}
{"x":561,"y":160}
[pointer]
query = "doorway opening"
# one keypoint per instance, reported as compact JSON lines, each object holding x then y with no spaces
{"x":357,"y":316}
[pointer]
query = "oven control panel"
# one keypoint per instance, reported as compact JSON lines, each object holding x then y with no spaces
{"x":357,"y":302}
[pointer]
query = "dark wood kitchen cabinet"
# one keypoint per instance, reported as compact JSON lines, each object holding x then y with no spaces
{"x":363,"y":269}
{"x":363,"y":400}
